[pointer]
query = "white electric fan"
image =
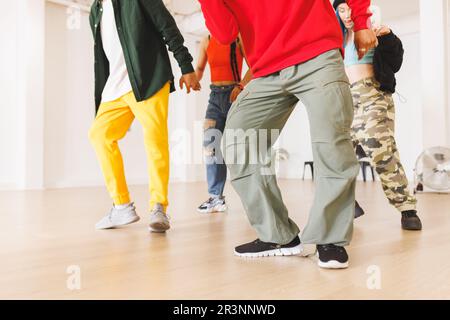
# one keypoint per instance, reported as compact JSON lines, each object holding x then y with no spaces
{"x":432,"y":172}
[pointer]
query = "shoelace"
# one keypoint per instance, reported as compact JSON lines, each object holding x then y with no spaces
{"x":257,"y":241}
{"x":210,"y":201}
{"x":155,"y":211}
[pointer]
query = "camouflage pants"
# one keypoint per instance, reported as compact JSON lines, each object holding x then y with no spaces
{"x":373,"y":128}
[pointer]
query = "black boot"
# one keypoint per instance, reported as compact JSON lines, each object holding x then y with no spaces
{"x":410,"y":220}
{"x":358,"y":210}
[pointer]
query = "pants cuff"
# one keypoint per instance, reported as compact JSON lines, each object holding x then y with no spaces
{"x":281,"y":241}
{"x":164,"y":205}
{"x":407,"y":207}
{"x":215,"y":195}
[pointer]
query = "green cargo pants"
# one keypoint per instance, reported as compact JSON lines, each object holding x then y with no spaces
{"x":264,"y":106}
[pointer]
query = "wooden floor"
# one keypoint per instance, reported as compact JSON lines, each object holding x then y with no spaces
{"x":44,"y":233}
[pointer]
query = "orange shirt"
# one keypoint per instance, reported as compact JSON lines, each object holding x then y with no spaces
{"x":221,"y":62}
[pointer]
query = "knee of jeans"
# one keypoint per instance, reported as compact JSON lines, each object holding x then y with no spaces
{"x":212,"y":138}
{"x":209,"y":154}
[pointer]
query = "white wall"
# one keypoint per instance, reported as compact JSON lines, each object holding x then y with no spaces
{"x":434,"y":24}
{"x":409,"y":116}
{"x":69,"y":104}
{"x":8,"y":102}
{"x":21,"y":81}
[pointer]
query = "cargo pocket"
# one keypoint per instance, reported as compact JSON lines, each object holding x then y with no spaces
{"x":342,"y":99}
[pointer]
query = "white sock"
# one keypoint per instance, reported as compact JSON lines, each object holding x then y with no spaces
{"x":122,"y":206}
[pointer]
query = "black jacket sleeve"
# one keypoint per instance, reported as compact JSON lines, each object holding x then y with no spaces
{"x":391,"y":50}
{"x":167,"y":27}
{"x":387,"y":61}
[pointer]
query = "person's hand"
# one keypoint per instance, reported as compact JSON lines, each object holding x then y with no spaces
{"x":382,"y":31}
{"x":235,"y":93}
{"x":190,"y":80}
{"x":364,"y":41}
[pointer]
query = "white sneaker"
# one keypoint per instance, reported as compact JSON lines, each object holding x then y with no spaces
{"x":159,"y":221}
{"x":118,"y":217}
{"x":213,"y":205}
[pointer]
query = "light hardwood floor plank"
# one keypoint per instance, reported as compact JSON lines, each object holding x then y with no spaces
{"x":45,"y":232}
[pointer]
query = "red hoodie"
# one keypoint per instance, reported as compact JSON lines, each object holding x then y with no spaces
{"x":280,"y":33}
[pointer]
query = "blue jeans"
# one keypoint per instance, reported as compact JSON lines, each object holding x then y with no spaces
{"x":216,"y":115}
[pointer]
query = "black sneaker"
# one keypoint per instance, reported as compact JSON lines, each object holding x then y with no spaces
{"x":332,"y":256}
{"x":258,"y":249}
{"x":410,"y":220}
{"x":358,"y":210}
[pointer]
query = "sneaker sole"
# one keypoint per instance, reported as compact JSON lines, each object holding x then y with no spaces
{"x":333,"y":264}
{"x":158,"y":227}
{"x":221,"y":208}
{"x":121,"y":224}
{"x":412,"y":228}
{"x":294,"y":251}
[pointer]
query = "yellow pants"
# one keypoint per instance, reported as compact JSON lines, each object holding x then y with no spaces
{"x":112,"y":123}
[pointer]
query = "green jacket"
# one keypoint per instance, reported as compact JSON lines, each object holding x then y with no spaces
{"x":145,"y":28}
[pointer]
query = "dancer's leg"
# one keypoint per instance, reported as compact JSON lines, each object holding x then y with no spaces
{"x":374,"y":127}
{"x":262,"y":106}
{"x":152,"y":114}
{"x":216,"y":170}
{"x":321,"y":84}
{"x":111,"y":124}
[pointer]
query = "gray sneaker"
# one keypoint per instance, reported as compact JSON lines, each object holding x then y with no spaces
{"x":118,"y":217}
{"x":213,"y":204}
{"x":159,"y":221}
